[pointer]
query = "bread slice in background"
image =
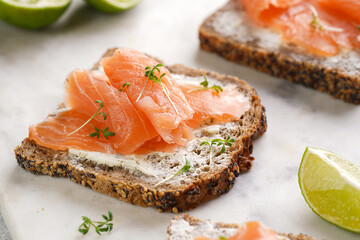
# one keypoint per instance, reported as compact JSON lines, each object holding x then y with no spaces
{"x":185,"y":227}
{"x":230,"y":33}
{"x":183,"y":192}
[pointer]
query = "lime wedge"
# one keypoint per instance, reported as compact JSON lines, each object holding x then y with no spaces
{"x":112,"y":6}
{"x":32,"y":14}
{"x":330,"y":185}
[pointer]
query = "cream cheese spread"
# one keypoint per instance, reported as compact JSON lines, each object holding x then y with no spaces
{"x":131,"y":162}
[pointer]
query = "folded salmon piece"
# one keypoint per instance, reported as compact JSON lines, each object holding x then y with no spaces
{"x":131,"y":130}
{"x":165,"y":112}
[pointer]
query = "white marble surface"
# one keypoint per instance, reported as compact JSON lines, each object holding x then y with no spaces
{"x":34,"y":64}
{"x":4,"y":233}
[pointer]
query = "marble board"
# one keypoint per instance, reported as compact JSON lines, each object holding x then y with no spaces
{"x":34,"y":65}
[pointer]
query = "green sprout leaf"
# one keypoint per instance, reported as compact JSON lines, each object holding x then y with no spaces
{"x":150,"y":75}
{"x":218,"y":142}
{"x":98,"y":132}
{"x":316,"y":24}
{"x":125,"y":85}
{"x":99,"y":226}
{"x":97,"y":113}
{"x":205,"y":87}
{"x":186,"y":168}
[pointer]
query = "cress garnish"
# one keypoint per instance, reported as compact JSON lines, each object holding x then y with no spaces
{"x":99,"y":227}
{"x":105,"y":132}
{"x":316,"y":24}
{"x":125,"y":85}
{"x":150,"y":75}
{"x":186,"y":168}
{"x":218,"y":142}
{"x":205,"y":85}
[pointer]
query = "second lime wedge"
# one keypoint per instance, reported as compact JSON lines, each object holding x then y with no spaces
{"x":32,"y":14}
{"x":330,"y":185}
{"x":112,"y":6}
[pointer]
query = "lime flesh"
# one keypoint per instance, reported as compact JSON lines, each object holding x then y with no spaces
{"x":112,"y":6}
{"x":32,"y":14}
{"x":331,"y":187}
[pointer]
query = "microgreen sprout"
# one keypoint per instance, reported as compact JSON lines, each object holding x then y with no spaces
{"x":97,"y":113}
{"x":205,"y":85}
{"x":218,"y":142}
{"x":316,"y":24}
{"x":105,"y":132}
{"x":186,"y":168}
{"x":125,"y":85}
{"x":222,"y":238}
{"x":100,"y":227}
{"x":150,"y":75}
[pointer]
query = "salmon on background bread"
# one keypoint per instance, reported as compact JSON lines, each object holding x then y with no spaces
{"x":249,"y":231}
{"x":323,"y":27}
{"x":311,"y":42}
{"x":185,"y":227}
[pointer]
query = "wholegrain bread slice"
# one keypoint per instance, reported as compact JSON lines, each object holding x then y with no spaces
{"x":185,"y":227}
{"x":230,"y":33}
{"x":136,"y":186}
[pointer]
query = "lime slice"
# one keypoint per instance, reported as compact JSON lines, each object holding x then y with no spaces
{"x":330,"y":185}
{"x":112,"y":6}
{"x":32,"y":14}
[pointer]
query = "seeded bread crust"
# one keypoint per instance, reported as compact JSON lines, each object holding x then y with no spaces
{"x":119,"y":184}
{"x":196,"y":222}
{"x":287,"y":61}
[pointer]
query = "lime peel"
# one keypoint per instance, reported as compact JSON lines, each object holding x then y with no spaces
{"x":112,"y":6}
{"x":32,"y":14}
{"x":36,"y":4}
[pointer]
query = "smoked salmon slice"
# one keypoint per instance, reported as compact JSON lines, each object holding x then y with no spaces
{"x":251,"y":231}
{"x":127,"y":65}
{"x":346,"y":9}
{"x":122,"y":118}
{"x":155,"y":121}
{"x":52,"y":133}
{"x":323,"y":27}
{"x":214,"y":107}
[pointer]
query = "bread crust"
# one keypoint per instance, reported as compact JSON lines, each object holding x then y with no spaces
{"x":45,"y":161}
{"x":281,"y":64}
{"x":194,"y":221}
